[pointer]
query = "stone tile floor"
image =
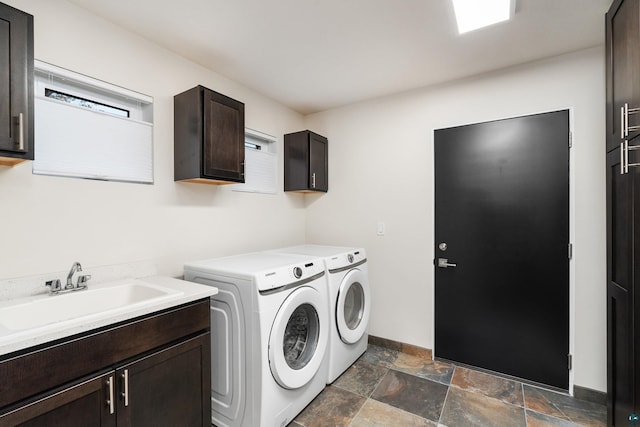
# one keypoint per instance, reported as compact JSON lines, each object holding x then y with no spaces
{"x":387,"y":388}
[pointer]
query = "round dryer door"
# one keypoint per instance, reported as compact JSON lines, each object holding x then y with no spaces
{"x":353,"y":306}
{"x":298,"y":339}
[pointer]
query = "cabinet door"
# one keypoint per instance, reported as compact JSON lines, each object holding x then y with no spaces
{"x":83,"y":405}
{"x":223,"y":145}
{"x":619,"y":355}
{"x":16,"y":83}
{"x":620,"y":265}
{"x":171,"y":387}
{"x":318,"y":177}
{"x":623,"y":68}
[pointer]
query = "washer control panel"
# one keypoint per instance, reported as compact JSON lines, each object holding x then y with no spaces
{"x":286,"y":275}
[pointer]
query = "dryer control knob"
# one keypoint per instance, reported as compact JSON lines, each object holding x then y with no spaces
{"x":350,"y":258}
{"x":297,"y":272}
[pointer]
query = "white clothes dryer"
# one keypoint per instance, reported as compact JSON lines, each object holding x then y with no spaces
{"x":349,"y":302}
{"x":269,"y":333}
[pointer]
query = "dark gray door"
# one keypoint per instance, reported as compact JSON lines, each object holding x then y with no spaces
{"x":502,"y":217}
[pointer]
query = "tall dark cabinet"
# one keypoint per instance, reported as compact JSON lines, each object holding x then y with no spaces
{"x":16,"y":86}
{"x":623,"y":211}
{"x":305,"y":162}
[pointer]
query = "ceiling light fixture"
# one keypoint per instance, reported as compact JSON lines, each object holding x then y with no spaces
{"x":474,"y":14}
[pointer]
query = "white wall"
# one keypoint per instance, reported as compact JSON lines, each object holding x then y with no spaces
{"x":381,"y":169}
{"x":49,"y":222}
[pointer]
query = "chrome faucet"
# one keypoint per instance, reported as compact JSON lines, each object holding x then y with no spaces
{"x":74,"y":268}
{"x":55,"y":286}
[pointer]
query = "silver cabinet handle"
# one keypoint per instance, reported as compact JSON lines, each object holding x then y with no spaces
{"x":313,"y":180}
{"x":125,"y":380}
{"x":626,"y":156}
{"x":110,"y":401}
{"x":626,"y":119}
{"x":21,"y":131}
{"x":444,"y":263}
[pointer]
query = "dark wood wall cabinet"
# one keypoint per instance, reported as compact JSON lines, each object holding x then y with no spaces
{"x":16,"y":86}
{"x":305,"y":162}
{"x":208,"y":137}
{"x":623,"y":211}
{"x":151,"y":371}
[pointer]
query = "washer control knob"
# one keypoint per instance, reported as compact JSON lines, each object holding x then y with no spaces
{"x":297,"y":272}
{"x":350,"y":258}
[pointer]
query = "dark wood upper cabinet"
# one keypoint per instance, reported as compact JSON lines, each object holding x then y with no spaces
{"x":623,"y":72}
{"x":623,"y":210}
{"x":208,"y":137}
{"x":16,"y":86}
{"x":305,"y":162}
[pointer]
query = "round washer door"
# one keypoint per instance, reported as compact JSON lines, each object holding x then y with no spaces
{"x":353,"y":306}
{"x":298,"y":339}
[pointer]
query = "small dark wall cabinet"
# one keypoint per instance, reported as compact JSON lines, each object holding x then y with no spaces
{"x":16,"y":86}
{"x":623,"y":211}
{"x":305,"y":162}
{"x":208,"y":137}
{"x":151,"y":371}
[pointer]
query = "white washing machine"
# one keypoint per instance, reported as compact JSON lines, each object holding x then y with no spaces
{"x":349,"y":302}
{"x":269,"y":334}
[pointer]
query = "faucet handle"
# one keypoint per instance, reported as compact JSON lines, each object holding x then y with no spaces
{"x":54,"y":285}
{"x":82,"y":281}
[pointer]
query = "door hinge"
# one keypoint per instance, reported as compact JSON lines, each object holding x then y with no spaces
{"x":570,"y":251}
{"x":570,"y":361}
{"x":570,"y":139}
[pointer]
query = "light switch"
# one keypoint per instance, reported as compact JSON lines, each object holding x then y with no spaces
{"x":380,"y":230}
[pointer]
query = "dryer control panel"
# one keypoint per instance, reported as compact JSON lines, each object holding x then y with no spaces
{"x":346,"y":260}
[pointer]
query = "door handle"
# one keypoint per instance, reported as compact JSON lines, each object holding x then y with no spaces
{"x":444,"y":263}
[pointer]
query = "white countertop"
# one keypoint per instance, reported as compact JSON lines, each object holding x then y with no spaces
{"x":185,"y":292}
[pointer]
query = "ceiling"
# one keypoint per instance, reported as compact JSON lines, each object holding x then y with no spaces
{"x":313,"y":55}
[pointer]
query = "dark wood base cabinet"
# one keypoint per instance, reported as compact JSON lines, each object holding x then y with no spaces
{"x":621,"y":381}
{"x":158,"y":373}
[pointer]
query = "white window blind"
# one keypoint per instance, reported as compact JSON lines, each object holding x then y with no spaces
{"x":260,"y":163}
{"x":91,"y":129}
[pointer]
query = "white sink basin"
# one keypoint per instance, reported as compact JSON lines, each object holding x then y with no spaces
{"x":94,"y":301}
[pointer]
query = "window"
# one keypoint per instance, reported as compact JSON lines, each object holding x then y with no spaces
{"x":86,"y":103}
{"x":87,"y":128}
{"x":260,"y":163}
